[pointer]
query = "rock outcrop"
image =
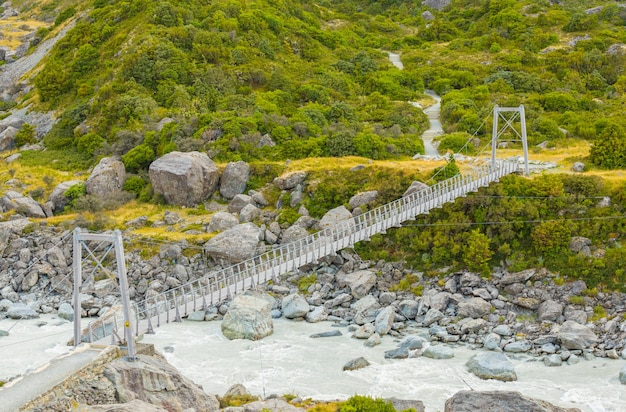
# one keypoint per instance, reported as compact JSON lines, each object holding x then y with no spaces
{"x":249,"y":317}
{"x":106,"y":178}
{"x":23,"y":205}
{"x":184,"y":179}
{"x":499,"y":401}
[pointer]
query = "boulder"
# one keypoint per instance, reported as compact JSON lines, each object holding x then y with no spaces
{"x":107,"y":177}
{"x":295,"y":306}
{"x":249,"y":213}
{"x":473,"y":308}
{"x":58,"y":198}
{"x":573,"y":335}
{"x":409,"y":308}
{"x":436,"y":4}
{"x":234,"y":245}
{"x":184,"y":179}
{"x":359,"y":282}
{"x":518,"y":277}
{"x":549,"y":310}
{"x":519,"y":346}
{"x":622,"y":375}
{"x":273,"y":404}
{"x":133,"y":406}
{"x":492,"y":341}
{"x":438,"y":352}
{"x":290,"y":180}
{"x":318,"y":314}
{"x":7,"y":138}
{"x":334,"y":217}
{"x":499,"y":401}
{"x":21,"y":311}
{"x":428,"y":15}
{"x":362,"y":198}
{"x":364,"y":332}
{"x":432,"y":316}
{"x":355,"y":364}
{"x":407,"y":404}
{"x":553,"y":360}
{"x":293,"y":233}
{"x":238,"y":202}
{"x":155,"y":381}
{"x":249,"y":317}
{"x":234,"y":179}
{"x":415,"y":187}
{"x":470,"y":325}
{"x":384,"y":320}
{"x":492,"y":365}
{"x":365,"y":309}
{"x":328,"y":334}
{"x":578,"y":167}
{"x":579,"y":244}
{"x":398,"y":353}
{"x":22,"y":204}
{"x":222,"y":221}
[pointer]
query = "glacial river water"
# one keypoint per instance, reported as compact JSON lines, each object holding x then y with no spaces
{"x":290,"y":362}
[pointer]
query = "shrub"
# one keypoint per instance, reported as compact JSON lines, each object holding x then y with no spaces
{"x":609,"y":148}
{"x":359,"y":403}
{"x":75,"y":192}
{"x":453,"y":142}
{"x":26,"y":135}
{"x":134,"y":184}
{"x":138,"y":158}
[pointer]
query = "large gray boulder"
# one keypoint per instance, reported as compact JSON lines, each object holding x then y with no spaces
{"x":238,"y":202}
{"x":22,"y":204}
{"x":107,"y":177}
{"x":335,"y":216}
{"x":153,"y":380}
{"x":415,"y":187}
{"x":473,"y":308}
{"x":517,"y":277}
{"x":7,"y":138}
{"x":58,"y":198}
{"x":293,"y":233}
{"x":21,"y":311}
{"x":355,"y":364}
{"x":249,"y":317}
{"x":549,"y":310}
{"x":184,"y":179}
{"x":438,"y":352}
{"x":359,"y":282}
{"x":384,"y":320}
{"x":295,"y":306}
{"x":234,"y":245}
{"x":290,"y":180}
{"x":436,"y":4}
{"x":234,"y":179}
{"x":362,"y":198}
{"x":492,"y":365}
{"x":222,"y":221}
{"x":499,"y":401}
{"x":573,"y":335}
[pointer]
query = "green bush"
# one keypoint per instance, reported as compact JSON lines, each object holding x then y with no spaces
{"x":453,"y":142}
{"x":609,"y":148}
{"x":359,"y":403}
{"x":26,"y":135}
{"x":75,"y":192}
{"x":134,"y":184}
{"x":138,"y":158}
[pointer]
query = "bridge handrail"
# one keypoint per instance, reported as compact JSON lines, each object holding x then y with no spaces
{"x":308,"y":249}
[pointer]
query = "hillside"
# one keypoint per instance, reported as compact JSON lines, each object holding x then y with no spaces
{"x":291,"y":85}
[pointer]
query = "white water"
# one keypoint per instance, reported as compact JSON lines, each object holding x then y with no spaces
{"x":290,"y":362}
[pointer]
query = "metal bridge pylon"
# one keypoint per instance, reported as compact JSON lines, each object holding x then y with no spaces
{"x":497,"y":131}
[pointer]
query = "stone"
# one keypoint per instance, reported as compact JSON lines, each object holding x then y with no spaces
{"x":21,"y":311}
{"x":407,"y":404}
{"x":106,"y":178}
{"x":553,"y":360}
{"x":573,"y":335}
{"x":234,"y":179}
{"x":58,"y":198}
{"x":365,"y":309}
{"x":362,"y":199}
{"x":154,"y":380}
{"x":290,"y":180}
{"x":384,"y":320}
{"x":295,"y":306}
{"x":249,"y":317}
{"x":470,"y":325}
{"x":492,"y":365}
{"x":238,"y":202}
{"x":438,"y":352}
{"x":318,"y":314}
{"x":519,"y":346}
{"x":29,"y":281}
{"x":473,"y":308}
{"x":398,"y":353}
{"x":492,"y":341}
{"x":7,"y":138}
{"x":293,"y":233}
{"x":249,"y":213}
{"x":360,"y":282}
{"x":66,"y":311}
{"x":408,"y":308}
{"x":622,"y":375}
{"x":328,"y":334}
{"x":23,"y":205}
{"x":357,"y":363}
{"x":499,"y":401}
{"x":335,"y":216}
{"x":184,"y":179}
{"x":222,"y":221}
{"x":55,"y":257}
{"x":133,"y":406}
{"x":432,"y":316}
{"x":364,"y":332}
{"x":439,"y":301}
{"x":578,"y":167}
{"x":415,"y":187}
{"x":171,"y":218}
{"x":549,"y":310}
{"x":273,"y":404}
{"x":197,"y":316}
{"x":412,"y":343}
{"x":138,"y":222}
{"x":428,"y":15}
{"x":518,"y":277}
{"x":436,"y":4}
{"x":579,"y":244}
{"x":373,"y":340}
{"x":234,"y":245}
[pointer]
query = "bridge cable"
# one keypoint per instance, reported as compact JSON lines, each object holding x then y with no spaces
{"x":515,"y":221}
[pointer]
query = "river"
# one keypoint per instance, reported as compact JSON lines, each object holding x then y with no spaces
{"x":290,"y":362}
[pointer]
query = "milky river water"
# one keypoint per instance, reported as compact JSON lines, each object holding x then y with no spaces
{"x":291,"y":362}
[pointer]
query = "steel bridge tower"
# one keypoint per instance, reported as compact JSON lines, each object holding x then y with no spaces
{"x":509,"y":115}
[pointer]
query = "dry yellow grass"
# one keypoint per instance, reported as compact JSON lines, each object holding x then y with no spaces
{"x":14,"y":28}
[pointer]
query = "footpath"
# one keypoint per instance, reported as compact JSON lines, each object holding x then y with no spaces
{"x":19,"y":392}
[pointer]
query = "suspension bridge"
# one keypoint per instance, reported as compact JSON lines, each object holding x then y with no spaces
{"x":215,"y":287}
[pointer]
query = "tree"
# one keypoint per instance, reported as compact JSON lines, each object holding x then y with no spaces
{"x":477,"y":254}
{"x":609,"y":148}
